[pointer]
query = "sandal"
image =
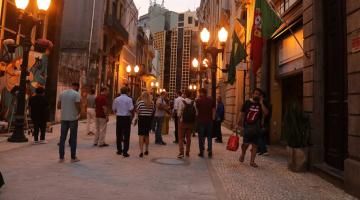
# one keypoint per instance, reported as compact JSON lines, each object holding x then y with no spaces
{"x":253,"y":164}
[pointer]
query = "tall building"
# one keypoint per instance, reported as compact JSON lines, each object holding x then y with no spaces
{"x":97,"y":44}
{"x":175,"y":39}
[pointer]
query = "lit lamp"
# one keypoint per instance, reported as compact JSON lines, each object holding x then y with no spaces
{"x":213,"y":51}
{"x":27,"y":22}
{"x":132,"y":76}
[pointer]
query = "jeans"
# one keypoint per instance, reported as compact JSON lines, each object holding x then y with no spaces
{"x":217,"y":130}
{"x":176,"y":121}
{"x":205,"y":131}
{"x":158,"y":127}
{"x":123,"y":128}
{"x":262,"y":142}
{"x":39,"y":125}
{"x":65,"y":126}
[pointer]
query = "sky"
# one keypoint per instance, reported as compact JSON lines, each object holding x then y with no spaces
{"x":173,"y":5}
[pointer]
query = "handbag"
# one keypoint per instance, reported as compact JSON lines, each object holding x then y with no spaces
{"x":233,"y":143}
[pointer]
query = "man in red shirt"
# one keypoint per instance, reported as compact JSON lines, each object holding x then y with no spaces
{"x":101,"y":110}
{"x":205,"y":108}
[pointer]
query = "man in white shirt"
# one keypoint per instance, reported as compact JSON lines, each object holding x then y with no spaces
{"x":123,"y":108}
{"x":69,"y":103}
{"x":177,"y":101}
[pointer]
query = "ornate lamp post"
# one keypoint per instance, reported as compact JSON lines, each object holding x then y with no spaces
{"x":199,"y":68}
{"x":132,"y":77}
{"x":27,"y":23}
{"x":213,"y":52}
{"x":154,"y":86}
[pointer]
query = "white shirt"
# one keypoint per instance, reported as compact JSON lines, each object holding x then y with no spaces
{"x":68,"y":100}
{"x":123,"y":105}
{"x":177,"y":101}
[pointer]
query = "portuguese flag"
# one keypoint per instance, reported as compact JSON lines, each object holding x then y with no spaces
{"x":238,"y":52}
{"x":266,"y":22}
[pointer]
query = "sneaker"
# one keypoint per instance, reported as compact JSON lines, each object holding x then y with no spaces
{"x":43,"y":142}
{"x":103,"y":145}
{"x":36,"y":142}
{"x":61,"y":160}
{"x":95,"y":145}
{"x":119,"y":153}
{"x":141,"y":155}
{"x":75,"y":160}
{"x":180,"y":156}
{"x":146,"y":153}
{"x":126,"y":155}
{"x":163,"y":143}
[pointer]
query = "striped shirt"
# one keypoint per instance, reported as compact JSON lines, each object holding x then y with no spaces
{"x":143,"y":110}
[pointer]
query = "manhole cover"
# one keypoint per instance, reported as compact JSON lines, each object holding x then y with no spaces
{"x":169,"y":161}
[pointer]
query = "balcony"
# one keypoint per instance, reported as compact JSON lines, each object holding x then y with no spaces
{"x":115,"y":25}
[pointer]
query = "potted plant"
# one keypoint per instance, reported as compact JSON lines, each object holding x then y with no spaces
{"x":297,"y":130}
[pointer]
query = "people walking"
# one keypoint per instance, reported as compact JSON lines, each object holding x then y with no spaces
{"x":123,"y":107}
{"x":187,"y":116}
{"x":39,"y":110}
{"x":177,"y":101}
{"x":161,"y":109}
{"x":90,"y":112}
{"x":144,"y":110}
{"x":249,"y":120}
{"x":102,"y":118}
{"x":205,"y":107}
{"x":69,"y":103}
{"x":219,"y":118}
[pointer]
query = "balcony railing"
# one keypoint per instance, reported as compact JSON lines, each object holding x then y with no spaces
{"x":116,"y":26}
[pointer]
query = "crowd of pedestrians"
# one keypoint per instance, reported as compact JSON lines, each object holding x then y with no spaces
{"x":191,"y":113}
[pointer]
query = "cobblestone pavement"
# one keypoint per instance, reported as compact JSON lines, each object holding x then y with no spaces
{"x":32,"y":172}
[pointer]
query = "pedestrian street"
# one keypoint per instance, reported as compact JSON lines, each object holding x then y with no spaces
{"x":32,"y":172}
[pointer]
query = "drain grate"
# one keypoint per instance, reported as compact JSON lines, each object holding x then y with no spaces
{"x":169,"y":161}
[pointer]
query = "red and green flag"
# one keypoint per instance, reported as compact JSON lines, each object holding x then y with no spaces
{"x":238,"y":52}
{"x":266,"y":22}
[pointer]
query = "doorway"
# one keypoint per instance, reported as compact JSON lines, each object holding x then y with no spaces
{"x":335,"y":88}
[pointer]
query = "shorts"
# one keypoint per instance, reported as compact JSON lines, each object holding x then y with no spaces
{"x":144,"y":125}
{"x":250,"y":138}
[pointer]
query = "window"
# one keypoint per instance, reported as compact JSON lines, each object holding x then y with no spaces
{"x":285,"y":5}
{"x":196,"y":23}
{"x":190,"y":20}
{"x":181,"y":17}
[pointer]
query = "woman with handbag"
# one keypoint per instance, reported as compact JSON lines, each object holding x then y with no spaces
{"x":144,"y":111}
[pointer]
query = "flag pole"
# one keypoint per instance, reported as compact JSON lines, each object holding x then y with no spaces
{"x":272,"y":6}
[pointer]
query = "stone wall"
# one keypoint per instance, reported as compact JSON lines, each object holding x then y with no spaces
{"x":352,"y":164}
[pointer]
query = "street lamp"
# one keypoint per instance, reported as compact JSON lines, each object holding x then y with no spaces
{"x":213,"y":51}
{"x":132,"y":77}
{"x":27,"y":22}
{"x":154,"y":86}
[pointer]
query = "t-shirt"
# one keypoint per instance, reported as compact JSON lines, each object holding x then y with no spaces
{"x":143,"y":109}
{"x":68,"y":99}
{"x":100,"y":102}
{"x":91,"y":101}
{"x":39,"y":108}
{"x":252,"y":112}
{"x":204,"y":107}
{"x":160,"y":112}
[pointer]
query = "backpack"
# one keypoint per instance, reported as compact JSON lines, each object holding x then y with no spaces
{"x":189,"y":112}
